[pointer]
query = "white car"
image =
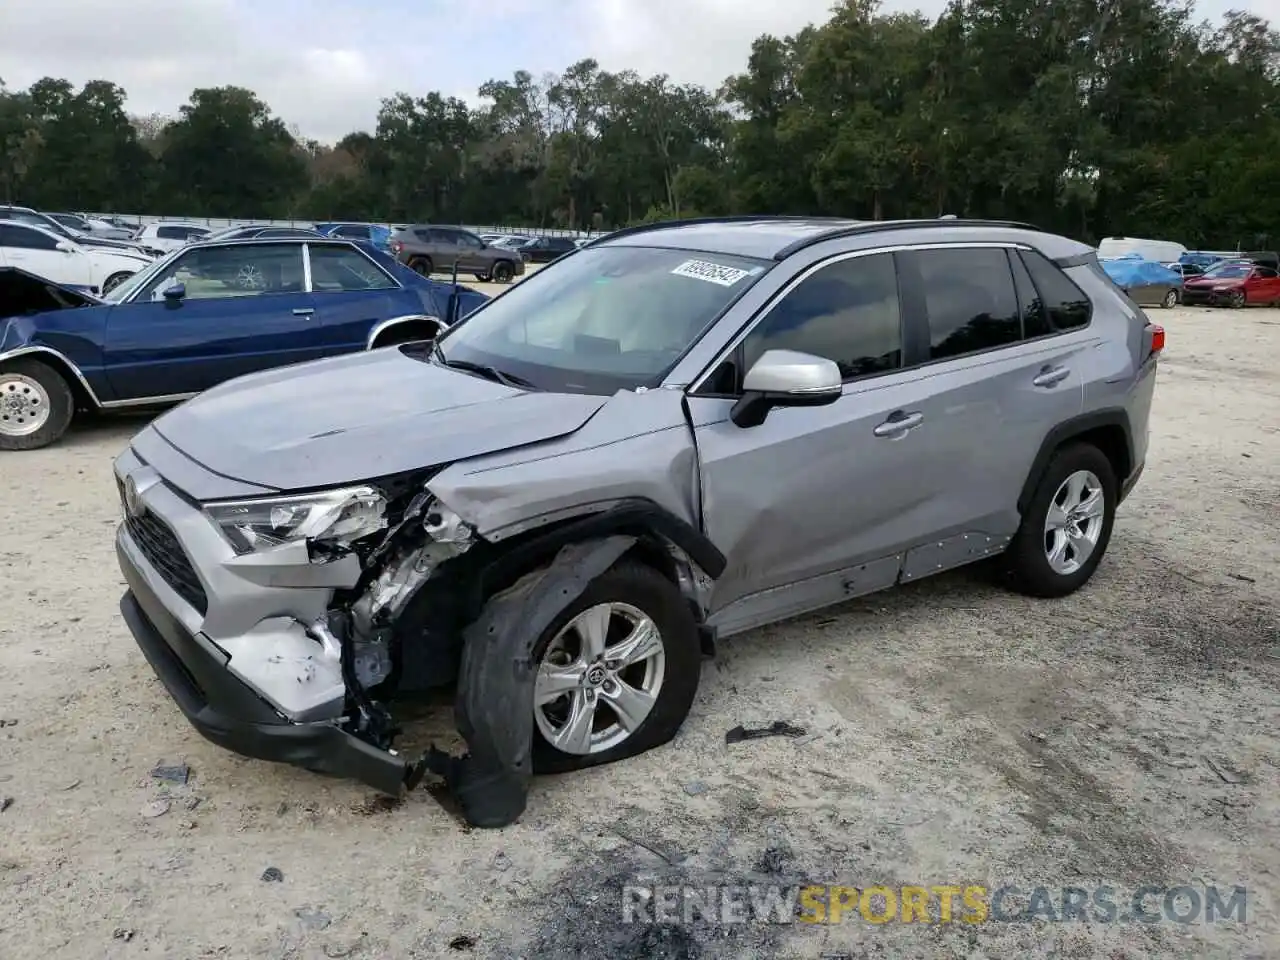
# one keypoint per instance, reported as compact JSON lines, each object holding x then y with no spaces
{"x":63,"y":261}
{"x":168,"y":236}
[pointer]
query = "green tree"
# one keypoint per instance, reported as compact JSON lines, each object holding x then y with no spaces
{"x":1089,"y":117}
{"x":227,"y":152}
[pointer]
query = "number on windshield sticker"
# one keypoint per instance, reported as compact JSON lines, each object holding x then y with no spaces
{"x":712,"y":272}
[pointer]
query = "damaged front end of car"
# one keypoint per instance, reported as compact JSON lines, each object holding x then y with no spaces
{"x":428,"y":602}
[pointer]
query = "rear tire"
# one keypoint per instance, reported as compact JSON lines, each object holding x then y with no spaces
{"x":1028,"y":565}
{"x":422,"y":265}
{"x":1170,"y":299}
{"x":36,"y":405}
{"x":635,"y":587}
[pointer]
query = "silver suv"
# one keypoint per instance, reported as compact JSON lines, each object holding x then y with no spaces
{"x":677,"y":433}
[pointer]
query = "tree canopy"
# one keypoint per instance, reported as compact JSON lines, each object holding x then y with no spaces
{"x":1088,"y":117}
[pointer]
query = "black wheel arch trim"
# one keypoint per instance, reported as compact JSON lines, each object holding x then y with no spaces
{"x":1069,"y":430}
{"x":625,"y":517}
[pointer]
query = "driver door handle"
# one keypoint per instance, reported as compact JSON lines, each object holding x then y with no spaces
{"x":303,"y":311}
{"x":1051,"y":376}
{"x":898,"y":424}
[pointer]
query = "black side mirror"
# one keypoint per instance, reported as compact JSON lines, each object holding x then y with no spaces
{"x":785,"y":378}
{"x":175,"y":293}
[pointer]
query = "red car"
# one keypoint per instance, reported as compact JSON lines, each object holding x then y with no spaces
{"x":1234,"y":284}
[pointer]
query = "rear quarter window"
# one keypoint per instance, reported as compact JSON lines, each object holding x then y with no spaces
{"x":1059,"y":305}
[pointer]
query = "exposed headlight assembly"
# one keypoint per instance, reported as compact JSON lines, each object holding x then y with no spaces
{"x":335,"y":517}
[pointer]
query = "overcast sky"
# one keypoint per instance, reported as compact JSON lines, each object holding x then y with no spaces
{"x":324,"y":64}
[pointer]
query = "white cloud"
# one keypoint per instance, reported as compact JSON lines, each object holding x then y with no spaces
{"x":694,"y":41}
{"x":160,"y":50}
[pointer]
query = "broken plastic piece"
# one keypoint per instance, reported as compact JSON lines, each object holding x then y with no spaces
{"x":779,"y":728}
{"x":494,"y":708}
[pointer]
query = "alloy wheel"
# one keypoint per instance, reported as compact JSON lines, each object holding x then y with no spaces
{"x":1074,"y":521}
{"x":599,"y":679}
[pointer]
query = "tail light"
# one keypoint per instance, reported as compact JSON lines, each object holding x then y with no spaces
{"x":1155,"y":339}
{"x":396,"y":246}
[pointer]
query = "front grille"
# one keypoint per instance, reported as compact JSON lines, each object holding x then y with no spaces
{"x":163,"y":551}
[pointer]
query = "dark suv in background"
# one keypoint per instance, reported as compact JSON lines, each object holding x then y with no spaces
{"x":430,"y":249}
{"x":546,"y":249}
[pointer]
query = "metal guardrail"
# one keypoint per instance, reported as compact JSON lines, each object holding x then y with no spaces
{"x":219,"y":223}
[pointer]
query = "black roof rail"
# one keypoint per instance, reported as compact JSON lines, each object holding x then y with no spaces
{"x":696,"y":221}
{"x":884,"y":226}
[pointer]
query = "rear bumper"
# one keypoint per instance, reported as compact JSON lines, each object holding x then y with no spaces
{"x":227,"y":712}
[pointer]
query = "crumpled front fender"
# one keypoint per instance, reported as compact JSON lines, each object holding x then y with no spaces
{"x":494,"y":707}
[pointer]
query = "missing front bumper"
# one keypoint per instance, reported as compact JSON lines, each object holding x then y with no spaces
{"x":228,"y":713}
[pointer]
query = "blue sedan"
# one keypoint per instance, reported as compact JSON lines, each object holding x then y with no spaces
{"x":206,"y":313}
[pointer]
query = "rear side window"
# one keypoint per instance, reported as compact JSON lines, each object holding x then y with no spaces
{"x":172,"y":233}
{"x":1064,"y":305}
{"x":970,"y":299}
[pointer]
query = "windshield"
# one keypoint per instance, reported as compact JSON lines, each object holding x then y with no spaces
{"x":1230,"y":270}
{"x":602,"y":319}
{"x":121,"y":292}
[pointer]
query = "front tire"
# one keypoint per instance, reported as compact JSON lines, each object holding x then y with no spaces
{"x":503,"y":272}
{"x":36,"y":405}
{"x":1067,"y":525}
{"x":114,"y":281}
{"x":617,"y":671}
{"x":1236,"y":300}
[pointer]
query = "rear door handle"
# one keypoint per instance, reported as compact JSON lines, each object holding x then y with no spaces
{"x":303,"y":311}
{"x":898,"y":424}
{"x":1051,"y":376}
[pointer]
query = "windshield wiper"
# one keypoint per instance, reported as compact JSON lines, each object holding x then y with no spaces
{"x":493,"y":373}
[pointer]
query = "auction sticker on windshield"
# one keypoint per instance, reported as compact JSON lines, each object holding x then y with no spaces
{"x":712,"y":272}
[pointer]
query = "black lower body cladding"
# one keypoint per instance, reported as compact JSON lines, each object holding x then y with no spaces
{"x":494,"y":705}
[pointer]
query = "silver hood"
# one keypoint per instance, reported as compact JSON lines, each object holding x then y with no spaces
{"x":361,"y":416}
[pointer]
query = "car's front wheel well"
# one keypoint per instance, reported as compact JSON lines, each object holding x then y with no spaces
{"x":508,"y":561}
{"x":84,"y":400}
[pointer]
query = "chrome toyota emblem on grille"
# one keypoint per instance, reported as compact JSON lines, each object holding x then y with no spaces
{"x":133,"y":505}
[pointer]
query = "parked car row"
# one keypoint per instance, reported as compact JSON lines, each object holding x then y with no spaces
{"x":55,"y":224}
{"x":67,"y":262}
{"x":1165,"y":273}
{"x":205,"y":313}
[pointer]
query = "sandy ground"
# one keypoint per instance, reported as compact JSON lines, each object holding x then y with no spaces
{"x":957,"y":734}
